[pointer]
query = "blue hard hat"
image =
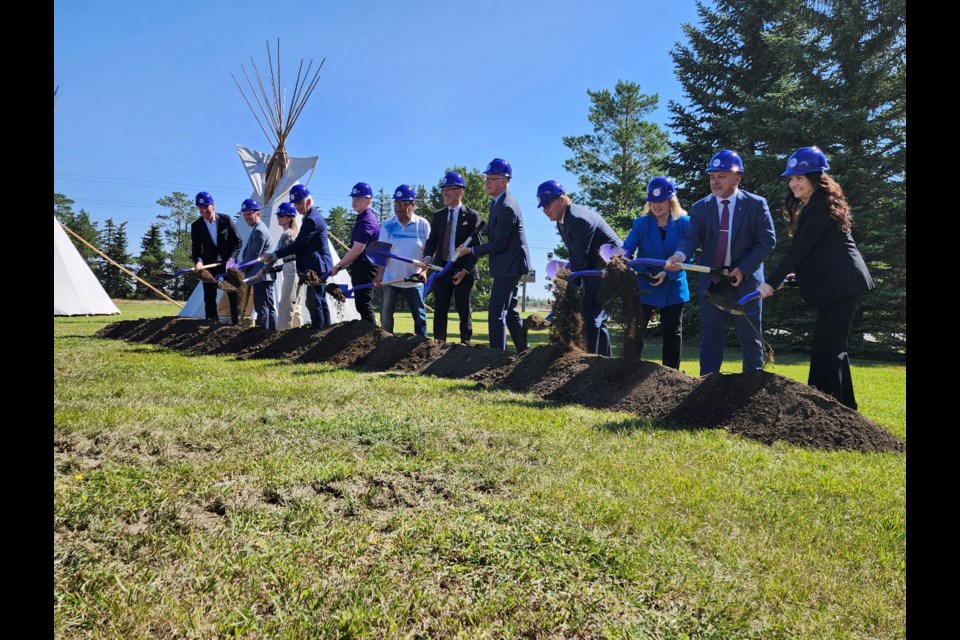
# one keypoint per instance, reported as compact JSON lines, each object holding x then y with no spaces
{"x":453,"y":179}
{"x":286,"y":209}
{"x":298,"y":192}
{"x":660,"y":188}
{"x":250,"y":205}
{"x":726,"y":160}
{"x":548,"y":192}
{"x":203,"y":198}
{"x":806,"y":160}
{"x":361,"y":190}
{"x":404,"y":193}
{"x":500,"y":167}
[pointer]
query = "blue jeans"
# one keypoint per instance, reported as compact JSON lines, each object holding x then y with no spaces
{"x":414,"y":298}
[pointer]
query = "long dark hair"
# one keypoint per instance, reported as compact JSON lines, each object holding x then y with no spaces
{"x":831,"y":190}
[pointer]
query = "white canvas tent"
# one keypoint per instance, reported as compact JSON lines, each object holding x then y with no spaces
{"x":76,"y":291}
{"x":255,"y":163}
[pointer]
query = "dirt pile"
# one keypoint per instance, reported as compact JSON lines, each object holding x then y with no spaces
{"x":533,"y":322}
{"x":620,"y":292}
{"x":566,"y":327}
{"x":758,"y":405}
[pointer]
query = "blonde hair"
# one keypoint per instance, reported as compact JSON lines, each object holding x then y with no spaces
{"x":675,"y":209}
{"x":294,"y":227}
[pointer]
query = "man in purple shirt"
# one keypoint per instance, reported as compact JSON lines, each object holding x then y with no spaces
{"x":366,"y":229}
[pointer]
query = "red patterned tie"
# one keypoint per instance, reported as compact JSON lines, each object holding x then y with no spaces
{"x":720,"y":255}
{"x":445,"y":253}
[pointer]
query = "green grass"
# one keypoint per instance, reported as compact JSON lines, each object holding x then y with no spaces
{"x":200,"y":496}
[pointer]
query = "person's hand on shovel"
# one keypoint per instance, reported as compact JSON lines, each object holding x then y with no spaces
{"x":673,"y":262}
{"x":658,"y":279}
{"x":458,"y":277}
{"x":765,"y":290}
{"x":737,"y":276}
{"x":199,"y":266}
{"x":266,"y":257}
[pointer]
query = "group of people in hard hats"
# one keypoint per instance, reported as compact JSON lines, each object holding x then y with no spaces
{"x":731,"y":229}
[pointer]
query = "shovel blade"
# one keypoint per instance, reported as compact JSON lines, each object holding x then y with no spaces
{"x":609,"y":251}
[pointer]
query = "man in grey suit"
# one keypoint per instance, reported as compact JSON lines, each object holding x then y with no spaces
{"x":734,"y":231}
{"x":259,"y":241}
{"x":583,"y":232}
{"x":509,"y":257}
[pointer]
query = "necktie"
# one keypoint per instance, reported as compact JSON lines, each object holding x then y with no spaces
{"x":720,"y":254}
{"x":446,"y":237}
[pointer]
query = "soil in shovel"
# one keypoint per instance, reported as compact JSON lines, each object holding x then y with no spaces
{"x":621,"y":292}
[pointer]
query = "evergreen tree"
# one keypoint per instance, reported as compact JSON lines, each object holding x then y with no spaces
{"x":113,"y":242}
{"x":175,"y":225}
{"x":764,"y":77}
{"x":614,"y":163}
{"x":152,"y":259}
{"x":340,"y":224}
{"x":382,"y":204}
{"x":81,"y":224}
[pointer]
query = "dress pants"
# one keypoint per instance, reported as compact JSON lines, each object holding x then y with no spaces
{"x":502,"y":314}
{"x":462,"y":294}
{"x":264,"y":305}
{"x":362,"y":271}
{"x":671,"y":323}
{"x":317,"y":306}
{"x":829,"y":362}
{"x":210,"y":303}
{"x":595,"y":330}
{"x":714,"y":325}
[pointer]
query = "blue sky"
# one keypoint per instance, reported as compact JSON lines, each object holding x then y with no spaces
{"x":147,"y":106}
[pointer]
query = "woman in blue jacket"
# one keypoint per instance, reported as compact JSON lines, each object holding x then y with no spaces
{"x":656,"y":234}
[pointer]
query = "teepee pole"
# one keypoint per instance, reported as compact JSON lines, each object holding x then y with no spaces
{"x":121,"y":267}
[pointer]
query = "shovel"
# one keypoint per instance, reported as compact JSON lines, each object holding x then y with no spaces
{"x":348,"y":292}
{"x":450,"y":262}
{"x":736,"y":307}
{"x":379,"y":252}
{"x":171,"y":276}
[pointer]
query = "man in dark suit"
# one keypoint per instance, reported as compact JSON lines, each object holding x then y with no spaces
{"x":734,"y":231}
{"x":312,"y":248}
{"x":450,"y":228}
{"x":583,"y":232}
{"x":214,"y":238}
{"x":509,"y":257}
{"x":259,"y":241}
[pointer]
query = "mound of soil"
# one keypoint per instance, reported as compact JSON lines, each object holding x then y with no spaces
{"x":768,"y":407}
{"x":758,"y":405}
{"x":566,"y":328}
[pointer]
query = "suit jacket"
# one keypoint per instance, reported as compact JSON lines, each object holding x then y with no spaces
{"x":753,"y":237}
{"x":507,"y":240}
{"x":465,"y":227}
{"x":644,"y":238}
{"x":202,"y":247}
{"x":312,"y":246}
{"x":583,"y":232}
{"x":259,"y":241}
{"x":826,"y":260}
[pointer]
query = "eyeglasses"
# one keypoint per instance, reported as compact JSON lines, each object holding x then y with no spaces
{"x":489,"y":178}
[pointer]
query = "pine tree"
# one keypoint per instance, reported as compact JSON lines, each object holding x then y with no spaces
{"x":151,"y":260}
{"x":113,"y":242}
{"x":383,"y":205}
{"x":340,"y":224}
{"x":614,"y":163}
{"x":81,"y":224}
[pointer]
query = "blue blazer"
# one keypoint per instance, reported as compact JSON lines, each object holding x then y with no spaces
{"x":644,"y":238}
{"x":583,"y":232}
{"x":311,"y":246}
{"x":259,"y":241}
{"x":753,"y":237}
{"x":507,"y":241}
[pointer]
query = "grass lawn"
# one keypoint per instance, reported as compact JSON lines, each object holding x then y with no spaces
{"x":199,"y":496}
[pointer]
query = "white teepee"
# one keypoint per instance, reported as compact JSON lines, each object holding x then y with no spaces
{"x":272,"y":175}
{"x":76,"y":291}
